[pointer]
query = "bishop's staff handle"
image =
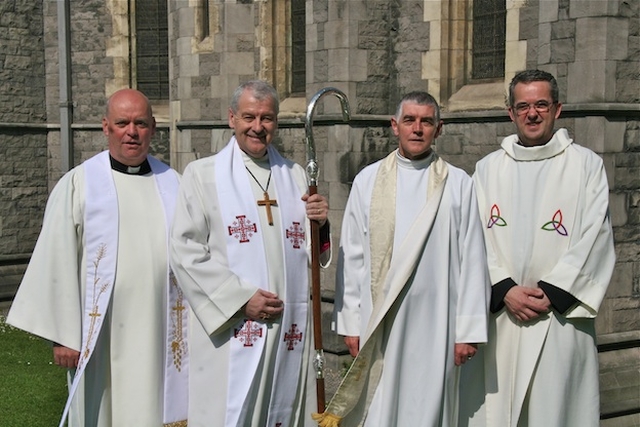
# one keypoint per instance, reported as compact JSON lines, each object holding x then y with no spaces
{"x":312,"y":177}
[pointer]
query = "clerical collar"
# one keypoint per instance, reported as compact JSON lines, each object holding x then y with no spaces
{"x":415,"y":164}
{"x":142,"y":169}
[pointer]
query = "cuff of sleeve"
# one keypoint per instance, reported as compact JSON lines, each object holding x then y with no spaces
{"x":561,"y":300}
{"x":325,"y":237}
{"x":498,"y":291}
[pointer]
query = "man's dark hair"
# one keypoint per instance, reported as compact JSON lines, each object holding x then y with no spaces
{"x":529,"y":76}
{"x":420,"y":98}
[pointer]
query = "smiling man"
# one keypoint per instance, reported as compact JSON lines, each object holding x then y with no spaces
{"x":239,"y":250}
{"x":98,"y":284}
{"x":412,"y":285}
{"x":544,"y":205}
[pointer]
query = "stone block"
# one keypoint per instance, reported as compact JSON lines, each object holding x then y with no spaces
{"x":589,"y":81}
{"x":600,"y":134}
{"x":627,"y":251}
{"x":544,"y":44}
{"x":618,"y":209}
{"x":449,"y":144}
{"x":238,"y":63}
{"x":529,"y":21}
{"x":582,"y":8}
{"x":189,"y":65}
{"x":190,"y":109}
{"x":601,"y":38}
{"x":621,"y":280}
{"x":336,"y":35}
{"x":239,"y":19}
{"x":628,"y":82}
{"x":562,"y":50}
{"x":338,"y":195}
{"x":339,"y":65}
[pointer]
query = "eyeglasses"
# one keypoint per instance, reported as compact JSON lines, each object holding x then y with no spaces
{"x":540,"y":107}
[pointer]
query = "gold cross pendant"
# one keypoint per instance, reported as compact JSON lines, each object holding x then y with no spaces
{"x":267,"y":202}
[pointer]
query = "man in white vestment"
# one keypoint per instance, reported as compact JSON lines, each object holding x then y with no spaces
{"x":98,"y":284}
{"x":412,"y":286}
{"x":239,"y":249}
{"x":544,"y":206}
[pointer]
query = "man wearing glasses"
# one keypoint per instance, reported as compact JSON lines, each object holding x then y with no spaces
{"x":544,"y":203}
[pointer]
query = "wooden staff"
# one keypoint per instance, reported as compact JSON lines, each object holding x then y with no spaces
{"x":312,"y":179}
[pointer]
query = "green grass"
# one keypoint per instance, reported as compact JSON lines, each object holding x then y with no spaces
{"x":33,"y":390}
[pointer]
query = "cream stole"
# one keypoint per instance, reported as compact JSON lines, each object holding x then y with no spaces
{"x":245,"y":251}
{"x":101,"y":247}
{"x":389,"y":275}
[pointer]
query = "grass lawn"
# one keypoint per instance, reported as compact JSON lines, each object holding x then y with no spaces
{"x":33,"y":390}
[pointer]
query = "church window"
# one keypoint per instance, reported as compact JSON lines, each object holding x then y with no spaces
{"x":489,"y":30}
{"x":151,"y":65}
{"x":298,"y":47}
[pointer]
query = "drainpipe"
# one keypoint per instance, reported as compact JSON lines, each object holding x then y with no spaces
{"x":66,"y":103}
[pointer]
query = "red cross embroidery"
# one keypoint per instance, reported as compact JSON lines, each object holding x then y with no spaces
{"x":296,"y":235}
{"x":292,"y":337}
{"x":242,"y":229}
{"x":248,"y":333}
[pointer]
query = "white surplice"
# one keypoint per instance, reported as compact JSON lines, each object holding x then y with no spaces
{"x":444,"y":303}
{"x":217,"y":295}
{"x":545,"y":215}
{"x":123,"y":381}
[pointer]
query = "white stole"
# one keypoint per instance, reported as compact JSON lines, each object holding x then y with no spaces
{"x":101,"y":221}
{"x":245,"y":251}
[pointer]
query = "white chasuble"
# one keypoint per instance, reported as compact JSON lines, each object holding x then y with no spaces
{"x":244,"y":372}
{"x":120,"y":375}
{"x":545,"y":217}
{"x":440,"y":298}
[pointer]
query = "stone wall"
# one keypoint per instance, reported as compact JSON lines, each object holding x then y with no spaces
{"x":23,"y":144}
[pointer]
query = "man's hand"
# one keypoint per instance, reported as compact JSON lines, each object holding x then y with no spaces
{"x":317,"y":208}
{"x":353,"y":344}
{"x":65,"y":356}
{"x":526,"y":303}
{"x":263,"y":305}
{"x":464,"y":352}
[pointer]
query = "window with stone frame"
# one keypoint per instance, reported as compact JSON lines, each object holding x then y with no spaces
{"x":488,"y":43}
{"x":150,"y":58}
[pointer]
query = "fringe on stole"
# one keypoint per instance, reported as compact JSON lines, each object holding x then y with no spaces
{"x":326,"y":419}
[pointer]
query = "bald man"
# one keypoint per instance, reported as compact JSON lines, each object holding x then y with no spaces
{"x":98,"y":285}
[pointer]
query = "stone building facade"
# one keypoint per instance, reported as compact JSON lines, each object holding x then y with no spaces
{"x":374,"y":51}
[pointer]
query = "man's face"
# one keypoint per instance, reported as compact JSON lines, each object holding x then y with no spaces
{"x":416,"y":130}
{"x":255,"y":124}
{"x":129,"y":126}
{"x":534,"y":112}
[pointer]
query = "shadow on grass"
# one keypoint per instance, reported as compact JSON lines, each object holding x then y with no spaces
{"x":33,"y":390}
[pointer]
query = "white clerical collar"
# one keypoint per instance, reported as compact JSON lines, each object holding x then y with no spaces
{"x":556,"y":145}
{"x":405,"y":163}
{"x":262,"y":162}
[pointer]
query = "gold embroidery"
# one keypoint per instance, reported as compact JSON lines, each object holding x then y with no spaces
{"x":178,"y":346}
{"x":177,"y":424}
{"x":95,"y":314}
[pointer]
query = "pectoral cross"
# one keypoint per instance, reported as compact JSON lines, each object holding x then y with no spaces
{"x":267,"y":202}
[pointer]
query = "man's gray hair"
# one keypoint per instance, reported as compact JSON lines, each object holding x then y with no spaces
{"x":259,"y":89}
{"x":420,"y":98}
{"x":529,"y":76}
